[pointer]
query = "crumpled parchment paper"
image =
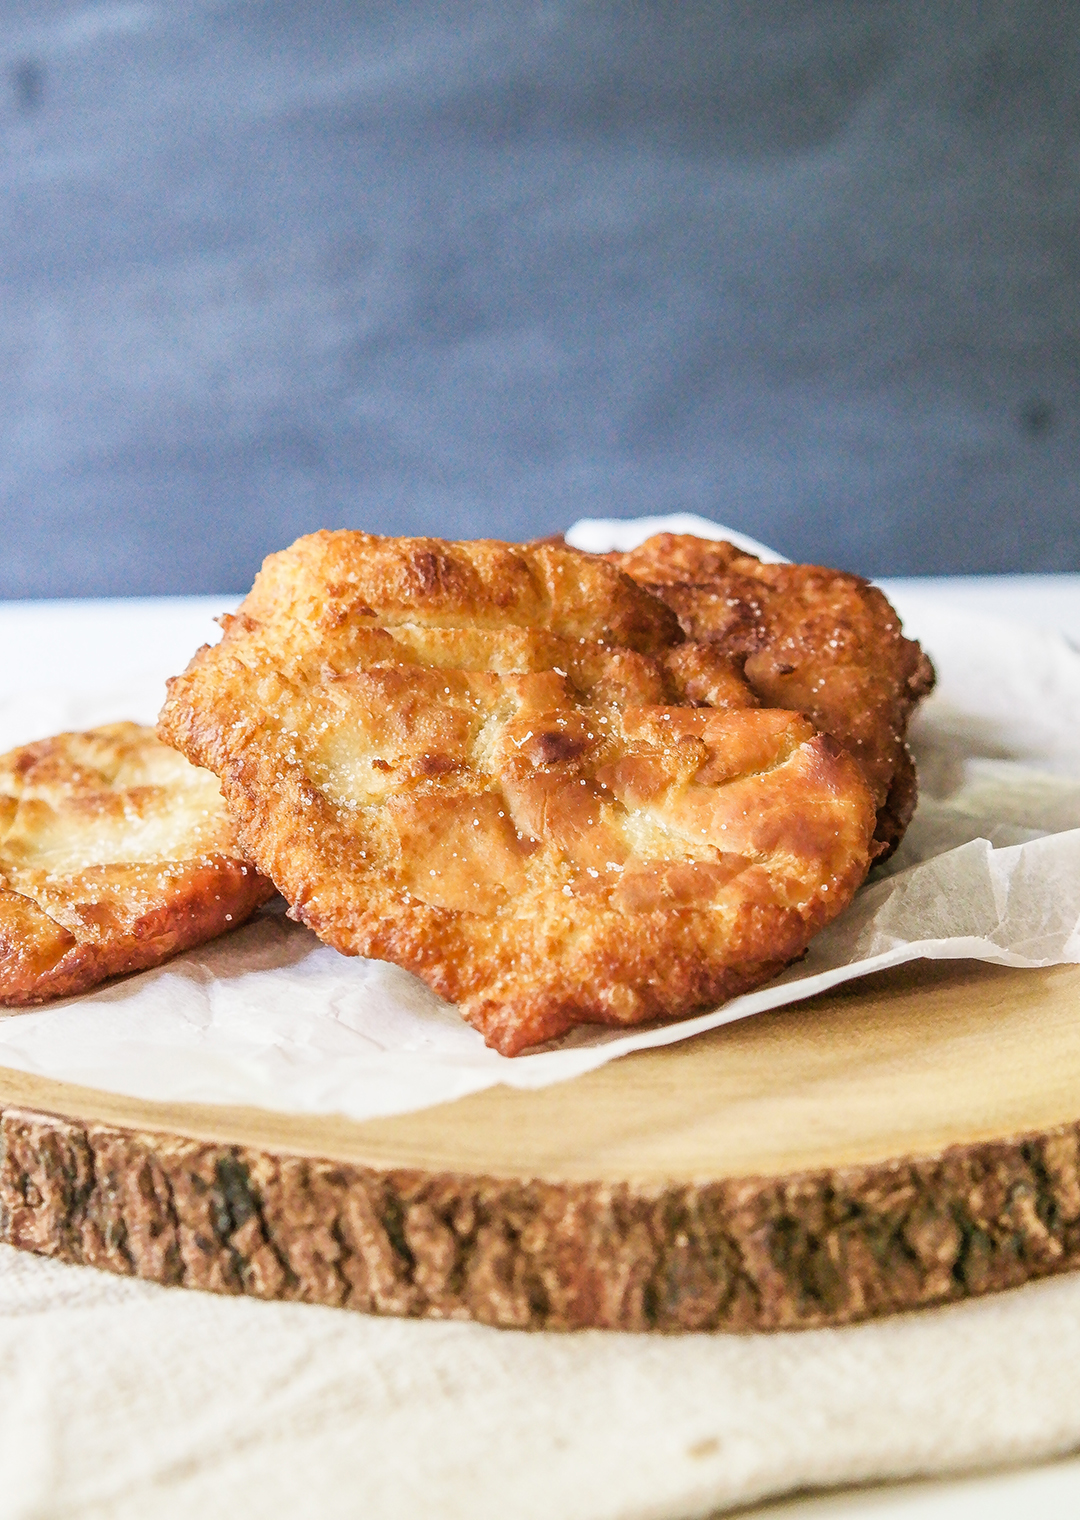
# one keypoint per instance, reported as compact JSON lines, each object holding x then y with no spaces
{"x":990,"y":869}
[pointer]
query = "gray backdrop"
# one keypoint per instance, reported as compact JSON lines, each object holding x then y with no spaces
{"x":481,"y":269}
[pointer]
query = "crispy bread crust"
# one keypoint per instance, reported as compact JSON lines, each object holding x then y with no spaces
{"x":470,"y":759}
{"x":808,"y":639}
{"x":115,"y":854}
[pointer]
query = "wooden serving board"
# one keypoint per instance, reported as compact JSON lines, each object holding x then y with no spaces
{"x":910,"y":1139}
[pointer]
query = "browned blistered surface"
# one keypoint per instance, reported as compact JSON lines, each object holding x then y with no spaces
{"x":115,"y":853}
{"x":807,"y":639}
{"x":476,"y":760}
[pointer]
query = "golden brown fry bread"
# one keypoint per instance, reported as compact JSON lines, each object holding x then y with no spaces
{"x":470,"y":759}
{"x":115,"y":853}
{"x":809,"y":640}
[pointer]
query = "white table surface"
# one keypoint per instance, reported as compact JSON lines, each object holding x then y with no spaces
{"x":82,"y":643}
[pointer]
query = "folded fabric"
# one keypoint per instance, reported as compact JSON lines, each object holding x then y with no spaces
{"x":119,"y":1399}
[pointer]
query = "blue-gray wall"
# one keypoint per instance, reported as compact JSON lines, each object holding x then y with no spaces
{"x":482,"y":269}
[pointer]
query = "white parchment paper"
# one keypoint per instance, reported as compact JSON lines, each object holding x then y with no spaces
{"x":990,"y":869}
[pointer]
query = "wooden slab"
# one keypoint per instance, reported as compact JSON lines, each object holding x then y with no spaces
{"x":910,"y":1139}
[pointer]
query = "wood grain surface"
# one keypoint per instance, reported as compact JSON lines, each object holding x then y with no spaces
{"x":910,"y":1139}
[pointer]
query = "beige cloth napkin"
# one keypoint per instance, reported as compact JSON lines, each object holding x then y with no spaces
{"x":120,"y":1399}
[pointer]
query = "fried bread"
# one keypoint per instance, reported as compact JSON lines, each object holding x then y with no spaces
{"x":806,"y":639}
{"x":115,"y":854}
{"x":479,"y":761}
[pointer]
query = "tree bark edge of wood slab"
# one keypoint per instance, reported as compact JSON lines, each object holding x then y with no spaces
{"x":811,"y":1249}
